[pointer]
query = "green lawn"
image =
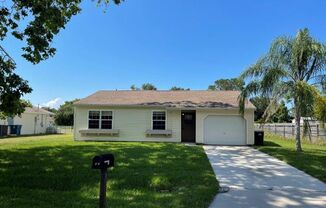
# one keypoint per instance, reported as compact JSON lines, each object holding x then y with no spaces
{"x":312,"y":160}
{"x":54,"y":171}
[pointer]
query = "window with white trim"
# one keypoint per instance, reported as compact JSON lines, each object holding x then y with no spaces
{"x":100,"y":119}
{"x":159,"y":120}
{"x":94,"y":119}
{"x":106,"y":119}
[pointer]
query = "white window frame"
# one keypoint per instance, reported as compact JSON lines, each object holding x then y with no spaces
{"x":106,"y":119}
{"x":166,"y":118}
{"x":100,"y":119}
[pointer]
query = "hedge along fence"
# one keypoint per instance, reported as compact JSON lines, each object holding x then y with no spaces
{"x":315,"y":131}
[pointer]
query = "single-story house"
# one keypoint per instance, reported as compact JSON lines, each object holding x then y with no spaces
{"x":34,"y":120}
{"x":307,"y":119}
{"x":205,"y":117}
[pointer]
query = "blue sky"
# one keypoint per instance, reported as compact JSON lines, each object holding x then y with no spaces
{"x":187,"y":43}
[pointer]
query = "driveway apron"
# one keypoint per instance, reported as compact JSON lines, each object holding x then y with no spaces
{"x":258,"y":180}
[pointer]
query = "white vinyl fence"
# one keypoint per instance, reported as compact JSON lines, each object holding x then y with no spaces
{"x":65,"y":129}
{"x":316,"y":131}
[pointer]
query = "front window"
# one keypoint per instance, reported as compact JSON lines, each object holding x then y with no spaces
{"x":100,"y":120}
{"x":159,"y":120}
{"x":106,"y":120}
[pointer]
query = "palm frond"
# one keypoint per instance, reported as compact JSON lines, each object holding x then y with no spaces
{"x":271,"y":78}
{"x":251,"y":88}
{"x":317,"y":61}
{"x":320,"y":81}
{"x":280,"y":92}
{"x":255,"y":70}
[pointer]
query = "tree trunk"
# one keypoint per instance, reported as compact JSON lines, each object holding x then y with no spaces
{"x":297,"y":127}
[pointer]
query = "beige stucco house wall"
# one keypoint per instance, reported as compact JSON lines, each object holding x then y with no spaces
{"x":205,"y":117}
{"x":132,"y":124}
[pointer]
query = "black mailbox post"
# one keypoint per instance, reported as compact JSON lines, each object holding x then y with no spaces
{"x":103,"y":162}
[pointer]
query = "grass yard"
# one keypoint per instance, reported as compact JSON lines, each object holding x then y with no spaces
{"x":54,"y":171}
{"x":312,"y":160}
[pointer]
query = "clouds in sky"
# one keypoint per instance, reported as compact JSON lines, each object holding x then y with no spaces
{"x":55,"y":103}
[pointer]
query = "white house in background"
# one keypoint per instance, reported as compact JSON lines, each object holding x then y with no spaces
{"x":34,"y":120}
{"x":208,"y":117}
{"x":309,"y":119}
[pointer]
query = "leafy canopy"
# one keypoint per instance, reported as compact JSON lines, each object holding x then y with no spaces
{"x":261,"y":103}
{"x":64,"y":116}
{"x":148,"y":86}
{"x":34,"y":22}
{"x":145,"y":86}
{"x":282,"y":115}
{"x":175,"y":88}
{"x":133,"y":87}
{"x":227,"y":84}
{"x":52,"y":110}
{"x":320,"y":108}
{"x":26,"y":103}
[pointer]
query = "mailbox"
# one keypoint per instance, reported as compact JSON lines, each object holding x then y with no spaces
{"x":103,"y":161}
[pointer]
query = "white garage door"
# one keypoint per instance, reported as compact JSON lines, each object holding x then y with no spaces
{"x":224,"y":130}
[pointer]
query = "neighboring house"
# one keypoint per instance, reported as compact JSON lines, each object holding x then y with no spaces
{"x":209,"y":117}
{"x":34,"y":120}
{"x":309,"y":119}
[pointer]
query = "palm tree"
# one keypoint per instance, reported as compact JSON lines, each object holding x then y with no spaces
{"x":288,"y":71}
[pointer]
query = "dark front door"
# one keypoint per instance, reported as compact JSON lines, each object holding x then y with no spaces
{"x":188,"y":126}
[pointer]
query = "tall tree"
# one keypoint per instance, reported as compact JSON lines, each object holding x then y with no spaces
{"x":175,"y":88}
{"x":282,"y":114}
{"x":261,"y":104}
{"x":148,"y":86}
{"x":211,"y":87}
{"x":26,"y":103}
{"x":35,"y":23}
{"x":227,"y":84}
{"x":320,"y":108}
{"x":52,"y":110}
{"x":21,"y":108}
{"x":65,"y":114}
{"x":285,"y":72}
{"x":133,"y":87}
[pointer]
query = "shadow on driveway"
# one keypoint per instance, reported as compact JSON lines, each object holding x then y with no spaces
{"x":259,"y":180}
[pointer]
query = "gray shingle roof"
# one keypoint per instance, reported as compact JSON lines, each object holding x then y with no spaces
{"x":174,"y":99}
{"x":37,"y":110}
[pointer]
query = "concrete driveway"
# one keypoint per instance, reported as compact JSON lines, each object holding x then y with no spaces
{"x":257,"y":180}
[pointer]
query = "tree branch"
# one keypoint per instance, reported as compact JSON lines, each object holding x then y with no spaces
{"x":309,"y":72}
{"x":6,"y":54}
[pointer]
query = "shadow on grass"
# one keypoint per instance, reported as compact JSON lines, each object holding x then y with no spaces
{"x":311,"y":161}
{"x":271,"y":144}
{"x":268,"y":144}
{"x":28,"y":135}
{"x":146,"y":175}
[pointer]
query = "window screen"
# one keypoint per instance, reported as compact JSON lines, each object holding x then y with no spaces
{"x":100,"y":120}
{"x":159,"y":120}
{"x":94,"y":119}
{"x":106,"y":120}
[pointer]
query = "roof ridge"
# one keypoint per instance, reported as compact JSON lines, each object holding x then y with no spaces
{"x":168,"y":91}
